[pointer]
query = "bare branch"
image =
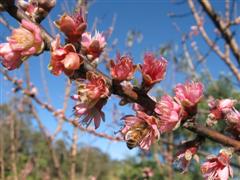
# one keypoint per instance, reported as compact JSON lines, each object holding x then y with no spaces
{"x":226,"y":32}
{"x":213,"y":45}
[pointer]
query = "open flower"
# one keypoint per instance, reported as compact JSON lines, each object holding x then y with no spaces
{"x":123,"y":69}
{"x":153,"y":69}
{"x":89,"y":113}
{"x":72,"y":26}
{"x":140,"y":130}
{"x":93,"y":46}
{"x":217,"y":167}
{"x":189,"y":94}
{"x":25,"y":41}
{"x":170,"y":114}
{"x":91,"y":98}
{"x":63,"y":59}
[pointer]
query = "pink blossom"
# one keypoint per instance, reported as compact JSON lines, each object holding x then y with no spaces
{"x":72,"y":26}
{"x":89,"y":113}
{"x":90,"y":99}
{"x":153,"y":69}
{"x":25,"y":41}
{"x":143,"y":128}
{"x":233,"y":121}
{"x":11,"y":59}
{"x":219,"y":108}
{"x":93,"y":46}
{"x":63,"y":59}
{"x":170,"y":114}
{"x":123,"y":69}
{"x":189,"y":94}
{"x":217,"y":168}
{"x":233,"y":116}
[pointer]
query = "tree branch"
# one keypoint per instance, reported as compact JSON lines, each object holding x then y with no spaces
{"x":226,"y":33}
{"x":213,"y":45}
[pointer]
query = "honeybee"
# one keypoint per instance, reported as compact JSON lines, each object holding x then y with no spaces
{"x":135,"y":134}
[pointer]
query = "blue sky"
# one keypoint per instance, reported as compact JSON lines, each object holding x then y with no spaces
{"x":148,"y":17}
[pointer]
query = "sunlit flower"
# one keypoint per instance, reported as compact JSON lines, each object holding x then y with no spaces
{"x":189,"y":94}
{"x":63,"y":59}
{"x":72,"y":26}
{"x":90,"y":99}
{"x":153,"y":69}
{"x":93,"y":46}
{"x":123,"y":69}
{"x":217,"y":168}
{"x":170,"y":114}
{"x":25,"y":41}
{"x":140,"y":130}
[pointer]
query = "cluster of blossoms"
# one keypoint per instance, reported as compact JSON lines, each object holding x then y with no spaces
{"x":224,"y":110}
{"x":67,"y":59}
{"x":144,"y":128}
{"x":170,"y":112}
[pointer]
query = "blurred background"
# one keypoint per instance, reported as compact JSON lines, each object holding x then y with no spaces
{"x":36,"y":143}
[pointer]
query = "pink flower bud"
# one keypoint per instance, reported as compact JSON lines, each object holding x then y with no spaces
{"x":63,"y":59}
{"x":72,"y":26}
{"x":123,"y":69}
{"x":71,"y":61}
{"x":153,"y":69}
{"x":93,"y":46}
